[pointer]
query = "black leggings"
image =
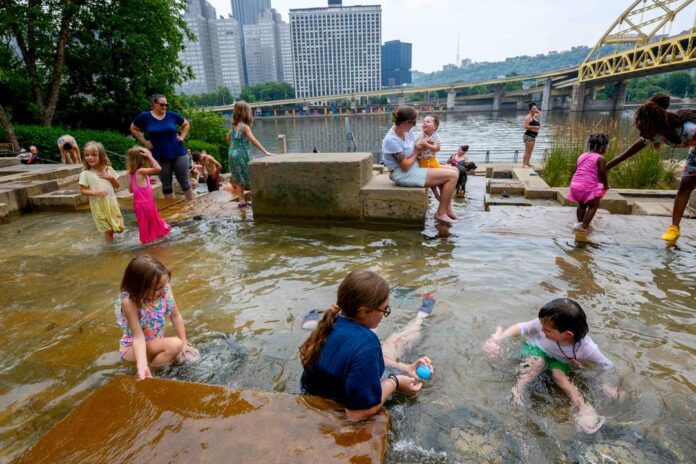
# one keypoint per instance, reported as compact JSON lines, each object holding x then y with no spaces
{"x":177,"y":166}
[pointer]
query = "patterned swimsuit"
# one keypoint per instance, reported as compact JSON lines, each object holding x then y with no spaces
{"x":153,"y":316}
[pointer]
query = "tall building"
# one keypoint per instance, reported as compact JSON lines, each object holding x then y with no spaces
{"x":396,"y":63}
{"x":336,"y":50}
{"x":198,"y":54}
{"x":267,"y":49}
{"x":215,"y":56}
{"x":229,"y":67}
{"x":247,"y":11}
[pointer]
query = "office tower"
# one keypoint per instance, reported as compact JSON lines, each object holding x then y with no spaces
{"x":215,"y":56}
{"x":229,"y":68}
{"x":267,"y":57}
{"x":198,"y":54}
{"x":336,"y":50}
{"x":396,"y":63}
{"x":247,"y":11}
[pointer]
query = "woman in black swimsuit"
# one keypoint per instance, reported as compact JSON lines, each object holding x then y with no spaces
{"x":532,"y":126}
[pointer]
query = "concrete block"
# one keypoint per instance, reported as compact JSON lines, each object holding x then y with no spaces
{"x":496,"y":200}
{"x":4,"y":212}
{"x":181,"y":422}
{"x":17,"y":194}
{"x":5,"y":162}
{"x":59,"y":200}
{"x":39,"y":171}
{"x":499,"y":174}
{"x":534,"y":186}
{"x":384,"y":201}
{"x":311,"y":185}
{"x":612,"y":201}
{"x":652,"y":208}
{"x":513,"y":187}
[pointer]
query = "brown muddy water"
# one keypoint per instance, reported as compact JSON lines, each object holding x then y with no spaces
{"x":243,"y":288}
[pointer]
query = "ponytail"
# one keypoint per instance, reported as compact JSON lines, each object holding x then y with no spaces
{"x":311,"y":348}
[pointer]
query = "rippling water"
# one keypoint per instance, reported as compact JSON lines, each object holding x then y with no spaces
{"x":244,"y":287}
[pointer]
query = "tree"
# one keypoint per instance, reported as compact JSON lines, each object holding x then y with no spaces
{"x":267,"y":92}
{"x":93,"y":63}
{"x":41,"y":31}
{"x":679,"y":84}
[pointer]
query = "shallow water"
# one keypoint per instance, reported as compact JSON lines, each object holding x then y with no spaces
{"x":244,"y":287}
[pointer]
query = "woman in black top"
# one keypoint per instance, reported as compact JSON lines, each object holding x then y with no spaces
{"x":532,"y":126}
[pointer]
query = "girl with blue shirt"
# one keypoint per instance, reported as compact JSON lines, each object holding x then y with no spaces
{"x":166,"y":131}
{"x":343,"y":359}
{"x":399,"y":154}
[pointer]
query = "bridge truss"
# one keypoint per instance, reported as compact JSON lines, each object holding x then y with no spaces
{"x":639,"y":26}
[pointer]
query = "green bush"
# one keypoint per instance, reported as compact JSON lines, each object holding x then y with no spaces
{"x":45,"y":139}
{"x":645,"y":170}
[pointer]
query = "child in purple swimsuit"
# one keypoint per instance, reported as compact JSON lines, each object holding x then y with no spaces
{"x":589,"y":182}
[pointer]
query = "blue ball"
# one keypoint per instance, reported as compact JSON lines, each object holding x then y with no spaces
{"x":423,"y":372}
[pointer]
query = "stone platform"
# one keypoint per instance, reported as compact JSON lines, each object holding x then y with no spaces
{"x":337,"y":187}
{"x":167,"y":421}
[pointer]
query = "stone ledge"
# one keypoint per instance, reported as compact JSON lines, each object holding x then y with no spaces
{"x":384,"y":201}
{"x":612,"y":201}
{"x":496,"y":200}
{"x":181,"y":422}
{"x":535,"y":188}
{"x":17,"y":194}
{"x":5,"y":162}
{"x":513,"y":187}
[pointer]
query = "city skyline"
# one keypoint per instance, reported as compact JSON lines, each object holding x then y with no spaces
{"x":523,"y":29}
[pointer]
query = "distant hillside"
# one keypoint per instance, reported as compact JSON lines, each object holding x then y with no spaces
{"x":518,"y":64}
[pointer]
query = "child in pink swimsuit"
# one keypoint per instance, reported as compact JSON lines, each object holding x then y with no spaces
{"x":141,"y":164}
{"x":589,"y":182}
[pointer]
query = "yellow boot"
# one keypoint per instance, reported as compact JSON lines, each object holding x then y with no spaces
{"x":672,"y":234}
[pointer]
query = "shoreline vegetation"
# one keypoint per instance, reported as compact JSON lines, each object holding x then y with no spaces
{"x":648,"y":170}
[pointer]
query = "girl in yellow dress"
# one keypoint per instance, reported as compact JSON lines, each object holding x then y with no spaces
{"x":98,"y":181}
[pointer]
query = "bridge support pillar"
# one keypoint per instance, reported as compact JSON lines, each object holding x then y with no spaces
{"x":620,"y":89}
{"x":400,"y":100}
{"x":498,"y":90}
{"x":546,"y":102}
{"x":577,"y":102}
{"x":450,"y":99}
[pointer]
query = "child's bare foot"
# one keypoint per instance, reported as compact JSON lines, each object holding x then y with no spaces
{"x":587,"y":419}
{"x":452,"y":214}
{"x":444,"y":218}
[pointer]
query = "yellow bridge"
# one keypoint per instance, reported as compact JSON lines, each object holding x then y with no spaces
{"x":630,"y":48}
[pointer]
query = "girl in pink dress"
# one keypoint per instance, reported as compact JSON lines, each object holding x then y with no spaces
{"x":141,"y":164}
{"x":589,"y":182}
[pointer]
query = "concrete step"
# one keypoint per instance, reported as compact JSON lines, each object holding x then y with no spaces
{"x":38,"y":172}
{"x":535,"y":188}
{"x":60,"y":200}
{"x":17,"y":195}
{"x":612,"y":201}
{"x":513,"y":187}
{"x":384,"y":201}
{"x":191,"y":422}
{"x":5,"y":162}
{"x":652,"y":208}
{"x":498,"y":200}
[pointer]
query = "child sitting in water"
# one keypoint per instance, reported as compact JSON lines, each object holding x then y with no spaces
{"x":557,"y":341}
{"x":142,"y":308}
{"x":589,"y":182}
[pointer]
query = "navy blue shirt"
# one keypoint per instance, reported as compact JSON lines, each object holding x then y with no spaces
{"x":162,"y":134}
{"x":349,"y":368}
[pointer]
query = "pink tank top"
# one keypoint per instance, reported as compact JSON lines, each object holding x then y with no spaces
{"x":141,"y":194}
{"x":586,"y":176}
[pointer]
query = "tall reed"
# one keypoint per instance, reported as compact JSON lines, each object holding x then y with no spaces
{"x":645,"y":170}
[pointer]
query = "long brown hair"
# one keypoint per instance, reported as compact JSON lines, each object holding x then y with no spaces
{"x":141,"y":277}
{"x":101,"y":151}
{"x":359,"y":289}
{"x":242,"y":113}
{"x":136,"y":159}
{"x":652,"y":118}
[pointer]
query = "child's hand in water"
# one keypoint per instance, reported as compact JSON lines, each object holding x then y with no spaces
{"x":490,"y":347}
{"x":409,"y":384}
{"x":410,"y":369}
{"x":144,"y":373}
{"x":613,"y":392}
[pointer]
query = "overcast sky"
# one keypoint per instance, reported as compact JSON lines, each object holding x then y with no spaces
{"x":488,"y":30}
